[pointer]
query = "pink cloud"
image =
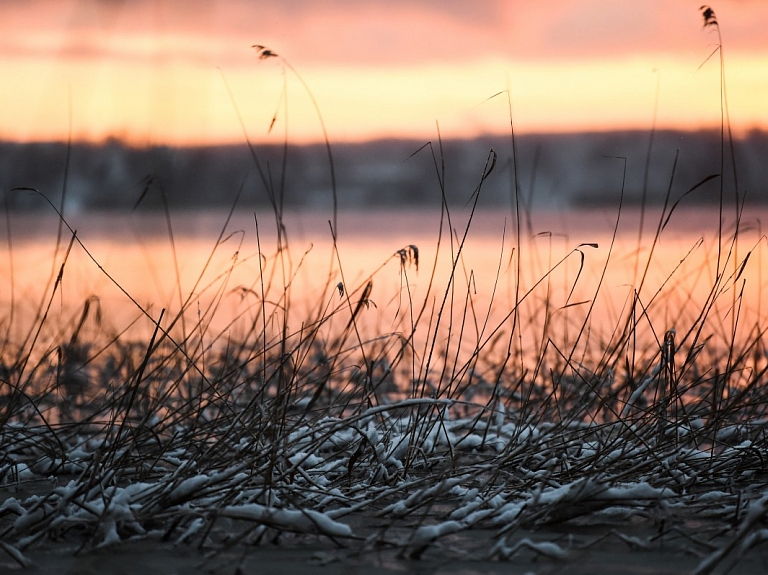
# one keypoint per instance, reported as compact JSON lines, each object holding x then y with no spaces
{"x":375,"y":32}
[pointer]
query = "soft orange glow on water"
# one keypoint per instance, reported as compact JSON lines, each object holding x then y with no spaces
{"x":150,"y":73}
{"x":553,"y":305}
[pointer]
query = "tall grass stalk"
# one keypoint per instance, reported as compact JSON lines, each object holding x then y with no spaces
{"x":398,"y":424}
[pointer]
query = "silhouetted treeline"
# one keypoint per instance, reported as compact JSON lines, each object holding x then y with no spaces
{"x":552,"y":170}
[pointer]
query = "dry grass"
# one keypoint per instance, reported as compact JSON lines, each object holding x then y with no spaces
{"x":287,"y":424}
{"x":389,"y":440}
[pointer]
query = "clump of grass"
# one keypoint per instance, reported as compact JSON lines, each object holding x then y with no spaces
{"x":285,"y":425}
{"x":296,"y":432}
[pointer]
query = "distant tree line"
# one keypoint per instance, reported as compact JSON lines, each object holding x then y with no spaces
{"x":552,"y":170}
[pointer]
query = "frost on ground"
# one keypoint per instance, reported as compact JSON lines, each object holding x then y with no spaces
{"x":419,"y":474}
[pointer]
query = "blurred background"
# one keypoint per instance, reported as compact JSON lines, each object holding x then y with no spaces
{"x":115,"y":95}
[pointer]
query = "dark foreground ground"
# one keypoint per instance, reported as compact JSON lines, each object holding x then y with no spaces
{"x":658,"y":542}
{"x":592,"y":551}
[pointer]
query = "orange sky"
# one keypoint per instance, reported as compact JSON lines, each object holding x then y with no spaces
{"x":156,"y":71}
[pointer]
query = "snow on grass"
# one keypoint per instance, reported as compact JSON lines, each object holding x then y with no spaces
{"x":544,"y":548}
{"x":301,"y":521}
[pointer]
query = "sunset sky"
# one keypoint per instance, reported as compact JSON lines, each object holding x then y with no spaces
{"x":161,"y":71}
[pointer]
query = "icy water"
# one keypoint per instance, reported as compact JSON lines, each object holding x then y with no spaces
{"x":566,"y":270}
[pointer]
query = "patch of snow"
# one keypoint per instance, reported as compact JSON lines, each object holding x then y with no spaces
{"x":306,"y":521}
{"x":427,"y":533}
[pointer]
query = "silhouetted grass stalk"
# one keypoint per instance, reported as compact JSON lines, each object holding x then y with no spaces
{"x":470,"y":414}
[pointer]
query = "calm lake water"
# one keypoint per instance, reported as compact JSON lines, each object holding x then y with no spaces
{"x":214,"y":270}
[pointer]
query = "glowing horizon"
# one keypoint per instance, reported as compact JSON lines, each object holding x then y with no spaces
{"x":144,"y":78}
